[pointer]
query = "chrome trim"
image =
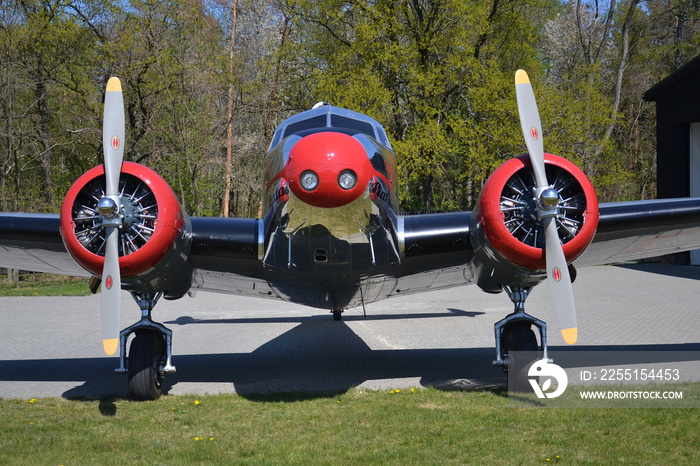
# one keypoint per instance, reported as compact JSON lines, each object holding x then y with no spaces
{"x":401,"y":237}
{"x":261,"y":238}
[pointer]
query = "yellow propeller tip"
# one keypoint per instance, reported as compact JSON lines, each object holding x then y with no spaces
{"x":570,"y":335}
{"x":114,"y":85}
{"x":521,"y":77}
{"x":110,"y":345}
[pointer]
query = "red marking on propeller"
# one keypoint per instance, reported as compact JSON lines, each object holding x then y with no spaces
{"x":115,"y":142}
{"x":534,"y":133}
{"x":556,"y":274}
{"x":109,"y":282}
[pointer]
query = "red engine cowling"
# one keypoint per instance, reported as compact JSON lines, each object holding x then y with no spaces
{"x":154,"y":243}
{"x":508,"y":235}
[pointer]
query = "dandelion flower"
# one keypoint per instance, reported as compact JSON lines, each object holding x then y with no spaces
{"x":211,"y":439}
{"x":196,"y":402}
{"x":33,"y":400}
{"x":196,"y":439}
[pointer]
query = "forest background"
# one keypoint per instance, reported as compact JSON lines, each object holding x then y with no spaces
{"x":206,"y":82}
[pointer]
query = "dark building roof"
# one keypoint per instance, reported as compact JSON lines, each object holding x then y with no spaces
{"x":674,"y":80}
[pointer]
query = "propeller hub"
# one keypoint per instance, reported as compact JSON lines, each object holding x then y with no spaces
{"x":549,"y":198}
{"x":108,"y":207}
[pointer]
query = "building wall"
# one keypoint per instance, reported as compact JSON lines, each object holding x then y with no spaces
{"x":677,"y":106}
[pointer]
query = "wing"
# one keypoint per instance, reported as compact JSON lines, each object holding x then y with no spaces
{"x":224,"y":252}
{"x":32,"y":242}
{"x":438,"y":247}
{"x":227,"y":256}
{"x":642,"y":229}
{"x":437,"y":250}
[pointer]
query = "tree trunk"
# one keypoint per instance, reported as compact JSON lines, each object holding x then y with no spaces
{"x":13,"y":277}
{"x":225,"y":206}
{"x":624,"y":55}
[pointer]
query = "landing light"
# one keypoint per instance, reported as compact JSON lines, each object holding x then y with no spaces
{"x":309,"y":180}
{"x":347,"y":179}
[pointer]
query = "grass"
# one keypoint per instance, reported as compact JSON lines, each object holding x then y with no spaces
{"x":398,"y":427}
{"x":45,"y":284}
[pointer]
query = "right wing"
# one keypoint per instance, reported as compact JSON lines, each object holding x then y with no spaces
{"x":641,"y":229}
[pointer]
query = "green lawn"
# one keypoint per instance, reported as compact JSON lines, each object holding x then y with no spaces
{"x":357,"y":427}
{"x":44,"y":284}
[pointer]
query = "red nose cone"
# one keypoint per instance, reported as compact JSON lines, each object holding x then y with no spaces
{"x":328,"y":169}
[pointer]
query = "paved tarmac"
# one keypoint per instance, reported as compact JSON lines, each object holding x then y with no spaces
{"x":51,"y":347}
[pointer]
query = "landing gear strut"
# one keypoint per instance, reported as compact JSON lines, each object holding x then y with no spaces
{"x":150,"y":351}
{"x":516,"y":344}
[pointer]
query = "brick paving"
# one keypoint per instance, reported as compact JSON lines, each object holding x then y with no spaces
{"x":50,"y":347}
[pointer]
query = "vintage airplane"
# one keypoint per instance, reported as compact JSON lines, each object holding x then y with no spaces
{"x":332,"y":236}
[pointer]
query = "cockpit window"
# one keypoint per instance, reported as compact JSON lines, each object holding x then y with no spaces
{"x":360,"y":126}
{"x":328,"y":116}
{"x":315,"y":122}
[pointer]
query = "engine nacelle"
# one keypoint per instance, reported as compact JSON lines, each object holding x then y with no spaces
{"x":154,"y":239}
{"x":507,"y":236}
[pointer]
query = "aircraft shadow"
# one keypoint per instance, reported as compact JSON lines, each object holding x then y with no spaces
{"x":347,"y":317}
{"x":318,"y":357}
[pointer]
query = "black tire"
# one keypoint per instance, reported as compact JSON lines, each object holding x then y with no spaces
{"x":520,"y":345}
{"x":146,"y":356}
{"x":337,"y":315}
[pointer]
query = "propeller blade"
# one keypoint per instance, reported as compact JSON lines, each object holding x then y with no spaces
{"x":113,"y":146}
{"x":110,"y":297}
{"x":559,"y":281}
{"x":113,"y":135}
{"x":558,"y":275}
{"x":531,"y":125}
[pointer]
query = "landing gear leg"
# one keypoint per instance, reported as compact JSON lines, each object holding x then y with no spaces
{"x":513,"y":333}
{"x":150,"y":352}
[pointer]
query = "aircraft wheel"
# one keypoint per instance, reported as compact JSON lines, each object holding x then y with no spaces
{"x":337,"y":315}
{"x":146,"y":358}
{"x":520,"y":346}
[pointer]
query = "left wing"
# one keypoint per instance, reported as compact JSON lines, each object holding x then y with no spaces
{"x":225,"y":252}
{"x":32,"y":242}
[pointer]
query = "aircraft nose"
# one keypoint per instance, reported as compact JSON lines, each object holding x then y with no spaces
{"x":328,"y":169}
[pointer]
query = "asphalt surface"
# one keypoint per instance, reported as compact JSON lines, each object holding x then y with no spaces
{"x":51,"y":346}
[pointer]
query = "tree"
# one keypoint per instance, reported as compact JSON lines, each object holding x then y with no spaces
{"x":435,"y":72}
